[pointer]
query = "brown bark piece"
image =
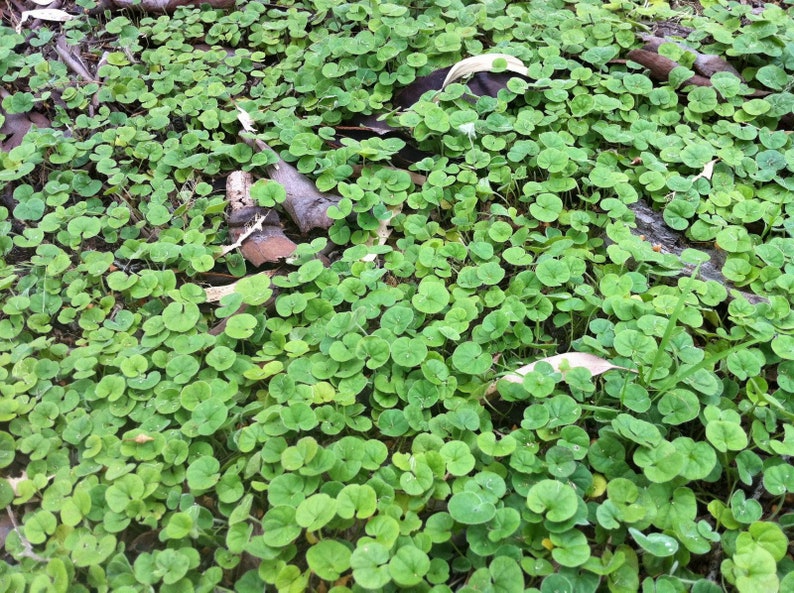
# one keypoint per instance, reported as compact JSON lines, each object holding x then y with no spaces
{"x":254,"y":229}
{"x":660,"y":66}
{"x":705,"y":64}
{"x":305,"y":204}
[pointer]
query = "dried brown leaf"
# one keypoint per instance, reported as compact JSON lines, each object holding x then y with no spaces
{"x":563,"y":363}
{"x":44,"y":14}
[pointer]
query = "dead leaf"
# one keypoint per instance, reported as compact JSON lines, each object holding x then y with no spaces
{"x":705,"y":64}
{"x":382,"y":233}
{"x":563,"y":363}
{"x":216,"y":293}
{"x":14,"y":482}
{"x":142,"y":439}
{"x":245,"y":120}
{"x":16,"y":125}
{"x":267,"y":245}
{"x":44,"y":14}
{"x":483,"y":63}
{"x":6,"y":527}
{"x":707,"y":172}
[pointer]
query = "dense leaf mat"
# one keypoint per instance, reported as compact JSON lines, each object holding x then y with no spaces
{"x":336,"y":423}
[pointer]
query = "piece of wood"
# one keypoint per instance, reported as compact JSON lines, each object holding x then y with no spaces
{"x":256,"y":231}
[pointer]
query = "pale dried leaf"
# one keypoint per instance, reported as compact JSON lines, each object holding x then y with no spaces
{"x":569,"y":360}
{"x":238,"y":190}
{"x":708,"y":171}
{"x":14,"y":482}
{"x":142,"y":439}
{"x":382,"y":233}
{"x":563,"y":362}
{"x":216,"y":293}
{"x":44,"y":14}
{"x":483,"y":63}
{"x":245,"y":120}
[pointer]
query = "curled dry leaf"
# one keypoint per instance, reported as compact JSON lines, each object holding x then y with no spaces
{"x":483,"y":63}
{"x":14,"y":482}
{"x":142,"y":439}
{"x":382,"y":233}
{"x":707,"y":172}
{"x":44,"y":14}
{"x":563,"y":362}
{"x":72,"y":60}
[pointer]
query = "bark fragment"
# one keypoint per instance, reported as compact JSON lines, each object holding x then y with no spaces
{"x":256,"y":231}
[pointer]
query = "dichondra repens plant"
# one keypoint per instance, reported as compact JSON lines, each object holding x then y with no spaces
{"x":545,"y":343}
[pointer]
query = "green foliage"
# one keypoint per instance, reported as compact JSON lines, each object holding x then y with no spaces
{"x":339,"y":433}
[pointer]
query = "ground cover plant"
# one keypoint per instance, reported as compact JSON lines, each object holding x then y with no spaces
{"x":480,"y":377}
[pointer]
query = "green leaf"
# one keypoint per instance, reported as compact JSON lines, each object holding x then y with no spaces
{"x":408,"y":352}
{"x":458,"y":458}
{"x":281,"y":526}
{"x":268,"y":193}
{"x":571,"y":548}
{"x":370,"y":565}
{"x":181,"y":317}
{"x":431,"y":297}
{"x":209,"y":416}
{"x":470,"y":358}
{"x":240,"y":326}
{"x":658,"y":544}
{"x":408,"y":566}
{"x":556,"y":500}
{"x":547,"y":207}
{"x":359,"y":500}
{"x":754,"y":570}
{"x":328,"y":559}
{"x":203,"y":473}
{"x":316,"y":511}
{"x":471,"y":508}
{"x":726,"y":436}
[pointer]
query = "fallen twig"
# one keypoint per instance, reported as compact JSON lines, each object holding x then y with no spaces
{"x":72,"y":61}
